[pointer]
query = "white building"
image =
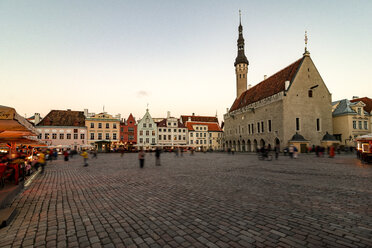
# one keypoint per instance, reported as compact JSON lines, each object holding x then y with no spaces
{"x":147,"y":132}
{"x":171,"y":132}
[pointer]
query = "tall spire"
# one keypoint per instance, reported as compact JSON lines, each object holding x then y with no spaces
{"x":241,"y":58}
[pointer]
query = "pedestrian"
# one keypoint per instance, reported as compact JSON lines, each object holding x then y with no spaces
{"x":157,"y":156}
{"x":65,"y":155}
{"x":290,"y":151}
{"x":331,"y":151}
{"x":141,"y":158}
{"x":121,"y":152}
{"x":94,"y":153}
{"x":295,"y":152}
{"x":41,"y":161}
{"x":277,"y":149}
{"x":84,"y":154}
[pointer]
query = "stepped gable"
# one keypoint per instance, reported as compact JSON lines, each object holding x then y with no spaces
{"x":185,"y":118}
{"x":367,"y":101}
{"x":63,"y":118}
{"x":268,"y":87}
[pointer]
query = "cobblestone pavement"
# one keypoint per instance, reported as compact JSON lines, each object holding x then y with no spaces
{"x":205,"y":200}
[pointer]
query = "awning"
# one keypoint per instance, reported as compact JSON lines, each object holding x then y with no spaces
{"x":364,"y":137}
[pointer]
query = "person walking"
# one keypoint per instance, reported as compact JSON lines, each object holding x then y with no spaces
{"x":84,"y":154}
{"x":277,"y":149}
{"x":41,"y":161}
{"x":291,"y":151}
{"x":332,"y":152}
{"x":65,"y":155}
{"x":141,"y":158}
{"x":121,"y":152}
{"x":157,"y":156}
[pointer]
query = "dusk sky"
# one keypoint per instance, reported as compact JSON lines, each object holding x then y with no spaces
{"x":176,"y":56}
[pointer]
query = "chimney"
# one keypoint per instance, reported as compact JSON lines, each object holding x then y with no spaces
{"x":168,"y":114}
{"x":37,"y":118}
{"x":286,"y":85}
{"x":265,"y":77}
{"x":355,"y":97}
{"x":86,"y":112}
{"x":193,"y":114}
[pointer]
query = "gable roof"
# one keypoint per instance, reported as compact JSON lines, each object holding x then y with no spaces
{"x":268,"y":87}
{"x":367,"y":101}
{"x":63,"y":118}
{"x":185,"y":118}
{"x":212,"y":126}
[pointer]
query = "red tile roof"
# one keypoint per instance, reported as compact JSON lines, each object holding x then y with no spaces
{"x":185,"y":118}
{"x":367,"y":101}
{"x":211,"y":126}
{"x":268,"y":87}
{"x":63,"y":118}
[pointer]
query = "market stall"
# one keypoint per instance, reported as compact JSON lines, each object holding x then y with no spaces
{"x":364,"y":148}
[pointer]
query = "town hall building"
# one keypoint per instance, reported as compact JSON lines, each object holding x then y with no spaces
{"x":293,"y":106}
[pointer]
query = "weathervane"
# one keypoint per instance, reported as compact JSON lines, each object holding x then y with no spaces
{"x":305,"y":41}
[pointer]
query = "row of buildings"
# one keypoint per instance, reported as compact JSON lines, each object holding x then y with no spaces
{"x":291,"y":107}
{"x":81,"y":129}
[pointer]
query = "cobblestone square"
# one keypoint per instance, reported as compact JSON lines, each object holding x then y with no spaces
{"x":204,"y":200}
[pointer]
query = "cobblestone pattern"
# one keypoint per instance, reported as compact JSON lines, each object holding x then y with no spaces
{"x":205,"y":200}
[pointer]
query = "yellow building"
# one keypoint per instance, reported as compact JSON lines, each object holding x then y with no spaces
{"x":349,"y":121}
{"x":103,"y":131}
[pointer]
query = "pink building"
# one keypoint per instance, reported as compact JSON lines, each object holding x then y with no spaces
{"x":63,"y":128}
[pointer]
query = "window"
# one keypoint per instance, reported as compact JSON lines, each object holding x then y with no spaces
{"x":141,"y":132}
{"x":197,"y":142}
{"x":92,"y":125}
{"x":164,"y":137}
{"x":114,"y":125}
{"x":175,"y":137}
{"x":205,"y":142}
{"x":121,"y":129}
{"x":192,"y":142}
{"x":205,"y":128}
{"x":169,"y":130}
{"x":76,"y":136}
{"x":46,"y":136}
{"x":92,"y":136}
{"x":184,"y":130}
{"x":354,"y":124}
{"x":360,"y":124}
{"x":75,"y":130}
{"x":99,"y":125}
{"x":159,"y":130}
{"x":153,"y":141}
{"x":169,"y":123}
{"x":131,"y":137}
{"x":107,"y":136}
{"x":99,"y":136}
{"x":191,"y":134}
{"x":39,"y":136}
{"x":197,"y":128}
{"x":153,"y":133}
{"x":68,"y":136}
{"x":205,"y":135}
{"x":269,"y":125}
{"x":310,"y":93}
{"x":174,"y":124}
{"x":365,"y":125}
{"x":147,"y":140}
{"x":150,"y":125}
{"x":210,"y":141}
{"x":210,"y":135}
{"x":130,"y":129}
{"x":249,"y":128}
{"x":114,"y":136}
{"x":359,"y":111}
{"x":262,"y":127}
{"x":122,"y":138}
{"x":169,"y":137}
{"x":159,"y":137}
{"x":54,"y":136}
{"x":297,"y":124}
{"x":147,"y":133}
{"x":107,"y":125}
{"x":184,"y":137}
{"x":179,"y":137}
{"x":144,"y":124}
{"x":197,"y":135}
{"x":252,"y":128}
{"x":258,"y":127}
{"x":61,"y":136}
{"x":141,"y":140}
{"x":164,"y":130}
{"x":318,"y":124}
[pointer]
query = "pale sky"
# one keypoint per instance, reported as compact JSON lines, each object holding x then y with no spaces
{"x":176,"y":56}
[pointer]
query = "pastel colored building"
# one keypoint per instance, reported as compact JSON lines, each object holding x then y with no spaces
{"x":147,"y":132}
{"x":128,"y":132}
{"x":171,"y":132}
{"x":64,"y":129}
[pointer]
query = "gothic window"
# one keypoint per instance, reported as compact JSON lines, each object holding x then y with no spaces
{"x":297,"y":124}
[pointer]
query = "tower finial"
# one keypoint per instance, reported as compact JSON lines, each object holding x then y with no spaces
{"x":240,"y":17}
{"x":306,"y":53}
